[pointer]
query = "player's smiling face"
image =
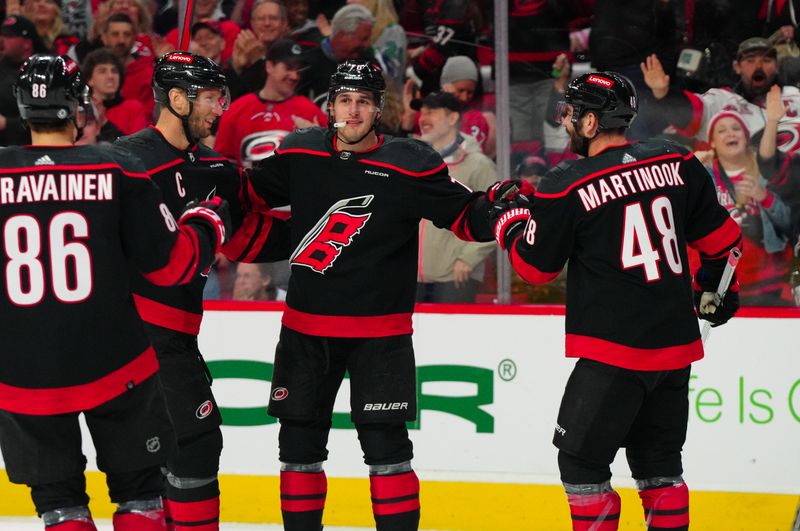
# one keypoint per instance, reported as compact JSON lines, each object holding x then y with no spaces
{"x":208,"y":106}
{"x":357,"y":110}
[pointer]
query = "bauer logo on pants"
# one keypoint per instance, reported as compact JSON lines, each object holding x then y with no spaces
{"x":204,"y":409}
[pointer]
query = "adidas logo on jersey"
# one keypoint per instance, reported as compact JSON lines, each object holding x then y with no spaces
{"x":44,"y":160}
{"x":628,"y":158}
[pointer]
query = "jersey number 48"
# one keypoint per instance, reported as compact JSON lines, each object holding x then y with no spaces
{"x":637,"y":244}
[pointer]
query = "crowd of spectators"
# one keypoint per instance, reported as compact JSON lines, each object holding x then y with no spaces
{"x":704,"y":71}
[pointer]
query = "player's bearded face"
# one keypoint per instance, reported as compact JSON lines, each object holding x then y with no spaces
{"x":578,"y":144}
{"x":207,"y":108}
{"x":357,"y":110}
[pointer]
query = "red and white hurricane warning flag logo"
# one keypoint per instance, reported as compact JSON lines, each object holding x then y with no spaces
{"x":320,"y":248}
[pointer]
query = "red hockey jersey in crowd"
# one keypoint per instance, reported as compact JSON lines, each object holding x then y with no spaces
{"x":252,"y":127}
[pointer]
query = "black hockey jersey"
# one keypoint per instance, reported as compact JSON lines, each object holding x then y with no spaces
{"x":185,"y":175}
{"x":623,"y":219}
{"x":355,"y":224}
{"x":73,"y":218}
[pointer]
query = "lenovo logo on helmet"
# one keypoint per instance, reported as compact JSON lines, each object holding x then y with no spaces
{"x":180,"y":58}
{"x":602,"y":81}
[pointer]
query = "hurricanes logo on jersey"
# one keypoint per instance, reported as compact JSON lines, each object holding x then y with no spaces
{"x":323,"y":244}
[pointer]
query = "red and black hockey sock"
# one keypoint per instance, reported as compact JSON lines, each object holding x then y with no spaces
{"x":666,"y":507}
{"x":194,"y":509}
{"x":594,"y":512}
{"x":303,"y":500}
{"x":395,"y":501}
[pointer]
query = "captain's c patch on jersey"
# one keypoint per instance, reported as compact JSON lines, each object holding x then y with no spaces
{"x":334,"y":231}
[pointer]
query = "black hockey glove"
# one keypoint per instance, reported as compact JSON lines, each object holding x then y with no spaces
{"x":705,"y":286}
{"x":213,"y":214}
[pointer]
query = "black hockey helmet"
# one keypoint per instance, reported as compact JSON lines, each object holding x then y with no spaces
{"x":189,"y":72}
{"x":50,"y":89}
{"x":358,"y":75}
{"x":611,"y":96}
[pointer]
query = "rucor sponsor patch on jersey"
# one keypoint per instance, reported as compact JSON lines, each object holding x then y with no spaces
{"x":335,"y":230}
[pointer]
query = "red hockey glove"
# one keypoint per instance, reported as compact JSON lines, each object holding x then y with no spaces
{"x":213,"y":214}
{"x":505,"y":190}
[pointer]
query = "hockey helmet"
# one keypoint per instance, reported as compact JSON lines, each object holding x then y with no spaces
{"x":189,"y":72}
{"x":358,"y":75}
{"x":611,"y":96}
{"x":50,"y":89}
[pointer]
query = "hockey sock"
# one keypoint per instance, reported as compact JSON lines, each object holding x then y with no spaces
{"x":140,"y":515}
{"x":168,"y":516}
{"x":200,"y":515}
{"x":193,"y":503}
{"x":593,"y":507}
{"x":303,"y":493}
{"x":666,"y":504}
{"x":395,"y":499}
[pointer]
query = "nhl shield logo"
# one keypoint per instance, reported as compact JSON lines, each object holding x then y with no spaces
{"x":153,"y":445}
{"x":344,"y":155}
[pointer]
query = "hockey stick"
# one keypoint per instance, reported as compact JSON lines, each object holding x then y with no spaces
{"x":185,"y":14}
{"x":796,"y":526}
{"x":722,"y":289}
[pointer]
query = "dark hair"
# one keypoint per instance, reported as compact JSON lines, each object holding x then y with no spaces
{"x":102,"y":56}
{"x":119,"y":17}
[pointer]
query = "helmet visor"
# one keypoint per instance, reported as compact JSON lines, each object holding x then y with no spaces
{"x":563,"y":112}
{"x":212,"y":96}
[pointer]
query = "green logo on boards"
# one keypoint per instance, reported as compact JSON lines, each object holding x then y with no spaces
{"x":467,"y":407}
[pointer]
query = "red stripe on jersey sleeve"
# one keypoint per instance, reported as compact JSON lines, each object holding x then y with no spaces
{"x":160,"y":314}
{"x":59,"y":400}
{"x":460,"y":226}
{"x":347,"y":325}
{"x":636,"y":359}
{"x":719,"y":241}
{"x":240,"y":241}
{"x":697,"y":115}
{"x":528,"y":272}
{"x":260,"y":240}
{"x":164,"y":166}
{"x":407,"y":172}
{"x":182,"y":263}
{"x":280,"y":151}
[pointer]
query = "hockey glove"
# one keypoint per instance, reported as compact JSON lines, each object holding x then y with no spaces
{"x":510,"y":224}
{"x":705,"y":287}
{"x":504,"y":190}
{"x":214,"y":214}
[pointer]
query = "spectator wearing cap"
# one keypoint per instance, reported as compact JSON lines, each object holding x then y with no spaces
{"x":351,"y":30}
{"x":256,"y":123}
{"x":19,"y":41}
{"x":459,"y":77}
{"x":269,"y":22}
{"x":756,"y":66}
{"x":450,"y":269}
{"x":210,"y":11}
{"x":120,"y":36}
{"x":104,"y":73}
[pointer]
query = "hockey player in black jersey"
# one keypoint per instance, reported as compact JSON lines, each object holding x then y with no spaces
{"x":192,"y":93}
{"x":623,"y":216}
{"x":357,"y":199}
{"x":73,"y":219}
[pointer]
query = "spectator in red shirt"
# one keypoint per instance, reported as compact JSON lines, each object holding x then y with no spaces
{"x":104,"y":73}
{"x":120,"y":36}
{"x":255,"y":124}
